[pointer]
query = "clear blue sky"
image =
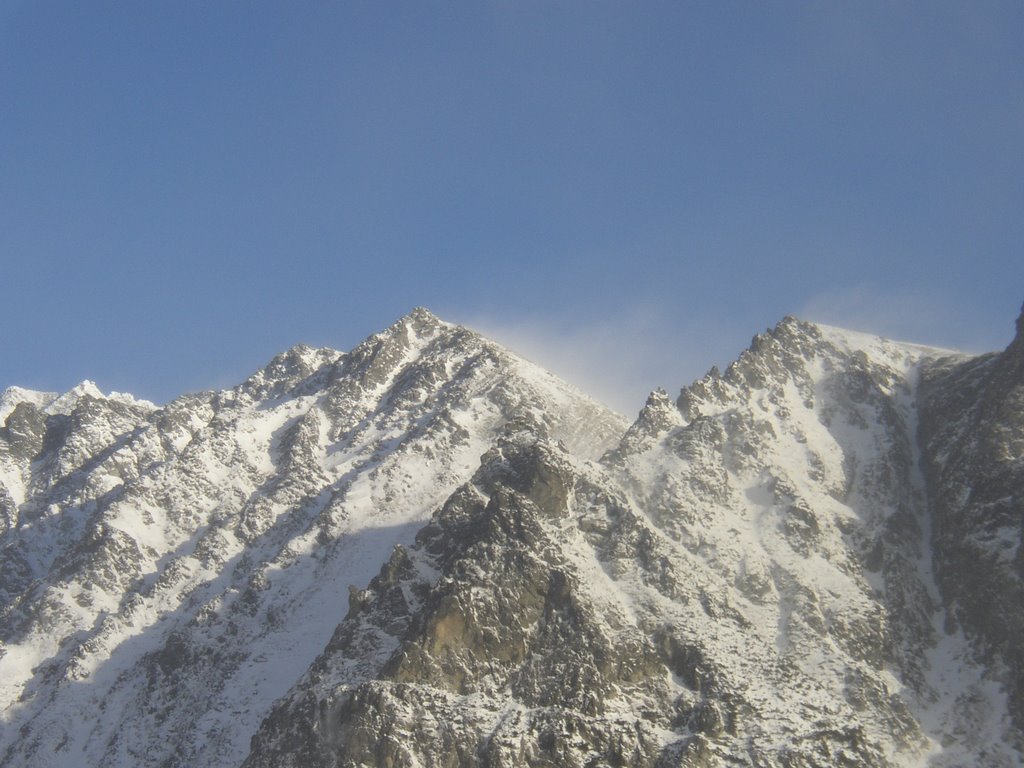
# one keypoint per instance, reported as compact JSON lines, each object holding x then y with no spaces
{"x":624,"y":191}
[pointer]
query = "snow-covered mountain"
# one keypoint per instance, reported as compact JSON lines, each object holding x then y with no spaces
{"x":430,"y":552}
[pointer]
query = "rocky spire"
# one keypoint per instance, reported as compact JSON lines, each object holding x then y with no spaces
{"x":1015,"y":350}
{"x":421,"y":320}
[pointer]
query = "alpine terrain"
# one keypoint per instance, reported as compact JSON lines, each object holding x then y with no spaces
{"x":429,"y":553}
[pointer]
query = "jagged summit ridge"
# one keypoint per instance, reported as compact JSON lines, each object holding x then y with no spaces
{"x":61,"y":403}
{"x":428,"y":551}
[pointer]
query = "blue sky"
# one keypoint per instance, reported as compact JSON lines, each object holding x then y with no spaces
{"x":626,"y":192}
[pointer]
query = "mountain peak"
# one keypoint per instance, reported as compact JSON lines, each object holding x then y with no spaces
{"x":421,"y":320}
{"x":658,"y":416}
{"x":66,"y":402}
{"x":659,"y":413}
{"x":12,"y":396}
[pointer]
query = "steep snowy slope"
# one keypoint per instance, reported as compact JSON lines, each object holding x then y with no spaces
{"x":167,"y":573}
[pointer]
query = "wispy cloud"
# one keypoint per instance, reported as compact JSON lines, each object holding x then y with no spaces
{"x":620,"y":358}
{"x":902,"y":314}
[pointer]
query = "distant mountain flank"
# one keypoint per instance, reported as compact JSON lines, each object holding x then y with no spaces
{"x":428,"y":551}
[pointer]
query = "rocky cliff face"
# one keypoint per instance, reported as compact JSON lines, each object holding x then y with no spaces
{"x":427,"y":552}
{"x":972,"y":431}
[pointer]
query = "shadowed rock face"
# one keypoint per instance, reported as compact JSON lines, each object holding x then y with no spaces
{"x":809,"y":560}
{"x":972,"y":429}
{"x":501,"y":654}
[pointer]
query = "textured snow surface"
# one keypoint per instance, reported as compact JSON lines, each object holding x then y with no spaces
{"x":171,"y":577}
